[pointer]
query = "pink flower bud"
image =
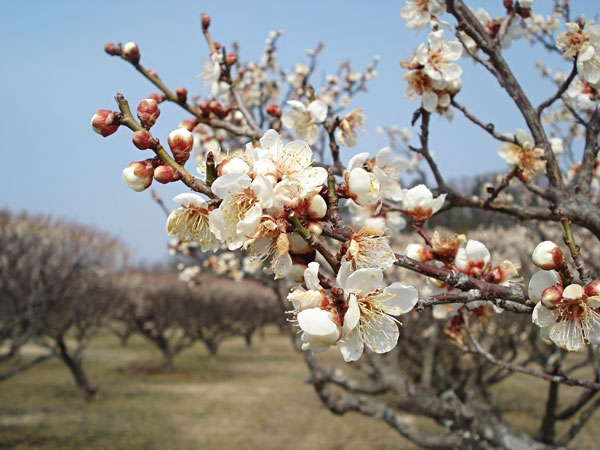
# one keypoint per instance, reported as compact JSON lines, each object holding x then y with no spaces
{"x":181,"y":93}
{"x":273,"y":110}
{"x":205,"y":18}
{"x":138,"y":175}
{"x":131,"y":52}
{"x":164,"y":174}
{"x":232,"y":165}
{"x":547,"y":255}
{"x":143,"y":140}
{"x":158,"y":98}
{"x":215,"y":107}
{"x":105,"y":122}
{"x":231,"y":59}
{"x":181,"y":142}
{"x":204,"y":107}
{"x":148,"y":112}
{"x":592,"y":289}
{"x":552,"y":296}
{"x":153,"y":73}
{"x":317,"y":208}
{"x":188,"y":124}
{"x":112,"y":49}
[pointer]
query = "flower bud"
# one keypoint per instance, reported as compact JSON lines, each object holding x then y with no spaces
{"x":188,"y":124}
{"x":164,"y":174}
{"x":315,"y":228}
{"x":105,"y":122}
{"x":181,"y":93}
{"x":273,"y":110}
{"x":205,"y":18}
{"x":153,"y":73}
{"x":131,"y":52}
{"x":204,"y":107}
{"x":418,"y":252}
{"x":317,"y":208}
{"x":231,"y":59}
{"x":148,"y":112}
{"x":233,"y":165}
{"x":112,"y":49}
{"x":158,"y":98}
{"x":552,"y":296}
{"x":138,"y":175}
{"x":143,"y":140}
{"x":215,"y":107}
{"x":592,"y":289}
{"x":547,"y":255}
{"x":181,"y":142}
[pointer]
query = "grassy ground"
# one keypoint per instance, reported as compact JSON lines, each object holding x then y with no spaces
{"x":245,"y":399}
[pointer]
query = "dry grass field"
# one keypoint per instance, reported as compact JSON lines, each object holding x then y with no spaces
{"x":244,"y":399}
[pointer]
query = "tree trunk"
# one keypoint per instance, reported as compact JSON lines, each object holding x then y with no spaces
{"x":74,"y":364}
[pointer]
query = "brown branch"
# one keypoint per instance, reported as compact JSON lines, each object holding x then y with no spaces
{"x":584,"y":272}
{"x":477,"y":348}
{"x":314,"y":242}
{"x":489,"y":127}
{"x":579,"y":423}
{"x":561,"y":90}
{"x":470,"y":296}
{"x":196,"y":184}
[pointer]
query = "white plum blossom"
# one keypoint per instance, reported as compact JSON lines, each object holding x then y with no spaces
{"x":419,"y":204}
{"x":388,"y":168}
{"x":583,"y":43}
{"x":570,"y":318}
{"x":292,"y":162}
{"x":212,"y":75}
{"x":368,"y":216}
{"x":438,"y":56}
{"x":369,"y":248}
{"x":582,"y":94}
{"x":189,"y":222}
{"x":305,"y":120}
{"x":346,"y":133}
{"x":368,"y":320}
{"x":363,"y":186}
{"x":240,"y":212}
{"x":419,"y":13}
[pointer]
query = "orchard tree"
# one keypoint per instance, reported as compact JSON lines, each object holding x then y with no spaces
{"x":57,"y":284}
{"x":277,"y":195}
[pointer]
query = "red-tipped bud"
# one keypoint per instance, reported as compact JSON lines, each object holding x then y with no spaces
{"x":143,"y":140}
{"x":552,"y":296}
{"x":508,"y":4}
{"x":148,"y":112}
{"x":164,"y":174}
{"x":181,"y":142}
{"x":315,"y":228}
{"x":547,"y":255}
{"x":205,"y":18}
{"x":131,"y":52}
{"x":153,"y":73}
{"x":218,"y":45}
{"x":181,"y":93}
{"x":592,"y":289}
{"x":138,"y":175}
{"x":215,"y":107}
{"x":273,"y":110}
{"x":112,"y":49}
{"x":158,"y":98}
{"x":418,"y":252}
{"x":204,"y":107}
{"x":231,"y":59}
{"x":188,"y":124}
{"x":105,"y":122}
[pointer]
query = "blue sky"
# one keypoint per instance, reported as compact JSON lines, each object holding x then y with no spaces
{"x":55,"y":75}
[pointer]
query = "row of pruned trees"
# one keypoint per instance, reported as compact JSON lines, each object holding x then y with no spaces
{"x":61,"y":283}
